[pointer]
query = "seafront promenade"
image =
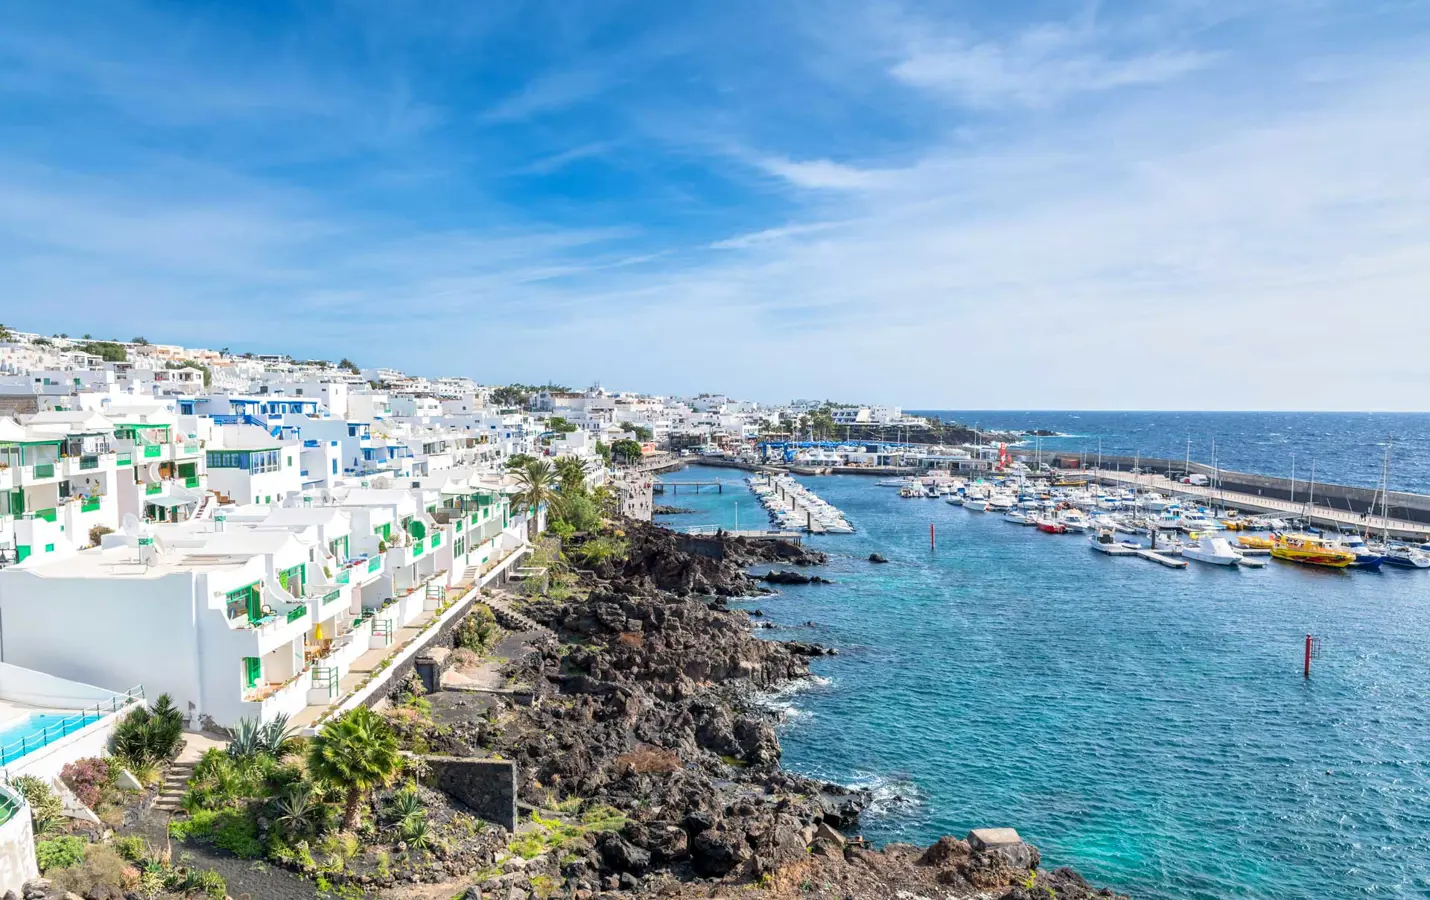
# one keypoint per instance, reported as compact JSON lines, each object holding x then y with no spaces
{"x":1262,"y":504}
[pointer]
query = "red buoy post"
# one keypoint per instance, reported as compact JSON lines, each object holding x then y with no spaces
{"x":931,"y":541}
{"x":1308,"y":656}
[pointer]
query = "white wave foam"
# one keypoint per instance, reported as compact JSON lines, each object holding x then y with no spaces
{"x":893,"y":795}
{"x":782,"y":700}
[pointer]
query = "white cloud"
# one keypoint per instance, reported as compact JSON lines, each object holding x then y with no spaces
{"x":824,"y":174}
{"x":1039,"y":66}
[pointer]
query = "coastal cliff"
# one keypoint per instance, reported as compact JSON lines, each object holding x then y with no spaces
{"x":652,"y":768}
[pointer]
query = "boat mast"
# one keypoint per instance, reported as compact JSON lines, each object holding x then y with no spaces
{"x":1385,"y":492}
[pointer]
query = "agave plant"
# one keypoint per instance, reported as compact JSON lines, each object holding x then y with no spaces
{"x":406,"y":806}
{"x":273,"y":738}
{"x":417,"y":834}
{"x":299,"y":812}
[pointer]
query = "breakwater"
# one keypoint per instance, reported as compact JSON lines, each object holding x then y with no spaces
{"x":1321,"y":495}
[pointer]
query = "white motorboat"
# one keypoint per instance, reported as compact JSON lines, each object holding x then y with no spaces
{"x":976,"y":503}
{"x":1074,"y":520}
{"x":999,"y":501}
{"x":1018,"y":517}
{"x":1213,"y":549}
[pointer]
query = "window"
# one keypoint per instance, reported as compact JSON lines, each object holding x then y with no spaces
{"x":244,"y":601}
{"x":293,"y":580}
{"x":252,"y":672}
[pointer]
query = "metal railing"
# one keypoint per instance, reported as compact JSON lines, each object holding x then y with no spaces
{"x":68,"y":725}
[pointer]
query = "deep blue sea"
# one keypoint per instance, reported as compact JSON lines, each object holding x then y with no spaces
{"x":1150,"y":727}
{"x":1347,"y":448}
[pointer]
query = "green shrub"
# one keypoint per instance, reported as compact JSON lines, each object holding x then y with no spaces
{"x":46,"y":810}
{"x":207,"y":882}
{"x":146,"y":737}
{"x":602,"y":549}
{"x":132,"y":847}
{"x":229,"y":829}
{"x":57,"y":853}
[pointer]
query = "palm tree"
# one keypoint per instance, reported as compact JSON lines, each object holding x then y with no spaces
{"x":571,"y":474}
{"x":356,"y":753}
{"x":536,"y":487}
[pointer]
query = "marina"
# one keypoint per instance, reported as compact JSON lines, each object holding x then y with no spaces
{"x":1179,"y":695}
{"x":795,"y":507}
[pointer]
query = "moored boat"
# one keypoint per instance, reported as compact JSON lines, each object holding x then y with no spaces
{"x":1213,"y":549}
{"x":1310,"y":550}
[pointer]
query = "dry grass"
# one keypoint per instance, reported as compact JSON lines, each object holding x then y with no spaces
{"x":464,"y":660}
{"x":650,"y":761}
{"x":633,"y":639}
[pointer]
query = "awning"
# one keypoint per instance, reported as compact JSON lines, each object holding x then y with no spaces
{"x":167,"y":501}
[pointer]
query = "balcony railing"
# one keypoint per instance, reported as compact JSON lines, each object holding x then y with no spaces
{"x":91,"y":505}
{"x":152,"y":450}
{"x":89,"y":462}
{"x":374,"y":564}
{"x":297,"y":613}
{"x":45,"y":470}
{"x":191,"y":481}
{"x":124,"y":459}
{"x":151,"y":489}
{"x":47,"y":514}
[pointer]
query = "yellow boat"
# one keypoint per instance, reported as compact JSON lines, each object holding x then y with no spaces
{"x":1310,"y":550}
{"x":1256,"y":541}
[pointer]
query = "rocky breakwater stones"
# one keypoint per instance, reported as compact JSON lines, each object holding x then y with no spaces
{"x":878,"y":558}
{"x":780,"y":576}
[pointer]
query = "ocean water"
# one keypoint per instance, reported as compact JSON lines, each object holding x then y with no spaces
{"x":1347,"y":448}
{"x":1150,"y":727}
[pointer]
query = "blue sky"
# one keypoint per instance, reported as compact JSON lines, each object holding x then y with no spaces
{"x":1183,"y":204}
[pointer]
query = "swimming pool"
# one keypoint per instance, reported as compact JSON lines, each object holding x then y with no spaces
{"x":35,"y":730}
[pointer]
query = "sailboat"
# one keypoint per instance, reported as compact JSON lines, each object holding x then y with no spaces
{"x":1394,"y":554}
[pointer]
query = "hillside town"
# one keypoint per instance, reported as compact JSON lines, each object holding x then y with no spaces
{"x":207,"y":556}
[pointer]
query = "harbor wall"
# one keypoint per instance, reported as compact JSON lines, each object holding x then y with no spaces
{"x":1346,"y":498}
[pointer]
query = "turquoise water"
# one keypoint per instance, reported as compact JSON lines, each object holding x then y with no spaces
{"x":36,"y":730}
{"x":1148,"y":726}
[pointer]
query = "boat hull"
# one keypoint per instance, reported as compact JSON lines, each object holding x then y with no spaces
{"x":1305,"y":558}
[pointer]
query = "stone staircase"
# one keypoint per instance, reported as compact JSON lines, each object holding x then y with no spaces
{"x":206,"y":506}
{"x":176,"y":781}
{"x":509,"y":618}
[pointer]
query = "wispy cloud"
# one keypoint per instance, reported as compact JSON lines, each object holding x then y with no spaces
{"x":1039,"y":66}
{"x":823,"y":173}
{"x":549,"y":93}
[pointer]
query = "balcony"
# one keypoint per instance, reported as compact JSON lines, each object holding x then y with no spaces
{"x":191,"y":481}
{"x":153,"y":488}
{"x":47,"y":514}
{"x":153,"y":451}
{"x":124,"y":459}
{"x":43,"y":470}
{"x":90,"y":505}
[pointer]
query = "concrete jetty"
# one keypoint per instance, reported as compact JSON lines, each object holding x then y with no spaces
{"x":1264,"y":504}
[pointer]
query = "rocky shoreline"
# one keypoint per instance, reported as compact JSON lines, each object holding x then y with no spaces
{"x":651,"y":769}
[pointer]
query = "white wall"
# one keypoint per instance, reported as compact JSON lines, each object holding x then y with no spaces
{"x":17,"y":848}
{"x":21,"y":685}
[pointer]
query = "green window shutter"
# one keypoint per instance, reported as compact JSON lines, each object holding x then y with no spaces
{"x":252,"y":671}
